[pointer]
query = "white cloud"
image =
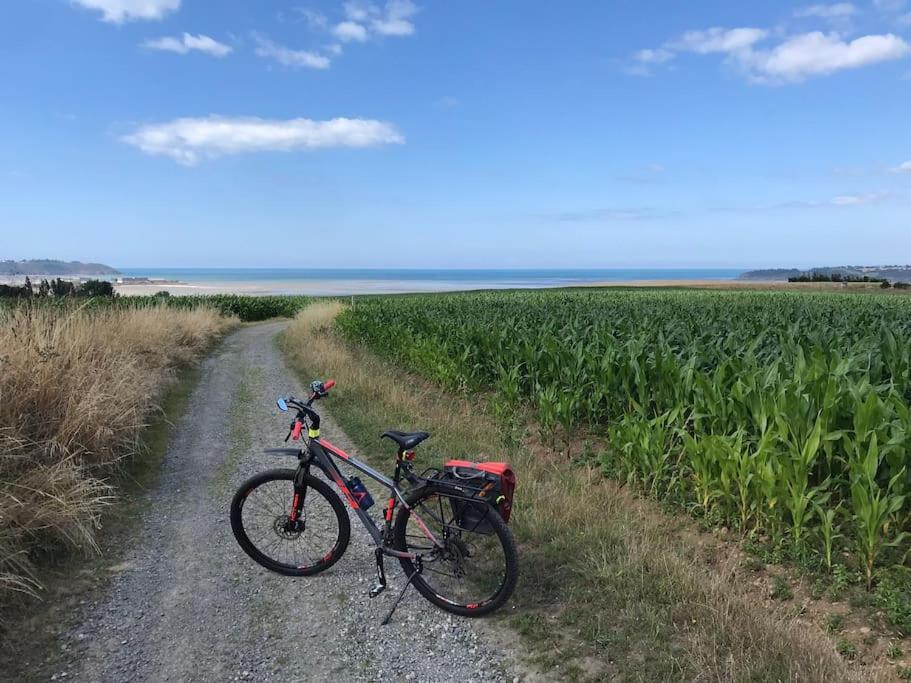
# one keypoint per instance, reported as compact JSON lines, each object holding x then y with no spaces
{"x":284,"y":55}
{"x":858,"y":199}
{"x":644,"y":61}
{"x":119,"y":11}
{"x":792,"y":60}
{"x":715,"y":40}
{"x":191,"y":140}
{"x":189,"y":42}
{"x":840,"y":202}
{"x":350,"y":30}
{"x":903,"y":168}
{"x":656,"y":56}
{"x":359,"y":10}
{"x":836,"y":11}
{"x":315,"y":20}
{"x":815,"y":54}
{"x":363,"y":20}
{"x":394,"y":19}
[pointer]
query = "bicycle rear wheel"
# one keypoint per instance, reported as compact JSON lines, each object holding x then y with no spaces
{"x":476,"y":569}
{"x":303,"y":547}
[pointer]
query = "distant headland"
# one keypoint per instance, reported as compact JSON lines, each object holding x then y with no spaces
{"x":53,"y":267}
{"x":833,"y":273}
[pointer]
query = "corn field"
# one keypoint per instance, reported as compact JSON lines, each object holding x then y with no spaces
{"x":783,"y":416}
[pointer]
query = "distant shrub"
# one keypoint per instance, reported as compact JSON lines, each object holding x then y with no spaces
{"x":62,"y":288}
{"x":814,"y":276}
{"x":95,"y":288}
{"x":14,"y":291}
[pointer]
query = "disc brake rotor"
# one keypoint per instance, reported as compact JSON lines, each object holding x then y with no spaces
{"x":285,"y":528}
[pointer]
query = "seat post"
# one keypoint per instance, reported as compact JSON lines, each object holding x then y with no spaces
{"x":397,"y":476}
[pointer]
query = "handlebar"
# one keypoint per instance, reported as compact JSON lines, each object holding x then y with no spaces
{"x":318,"y":390}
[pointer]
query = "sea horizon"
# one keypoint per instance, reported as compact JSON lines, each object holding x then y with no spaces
{"x":344,"y":281}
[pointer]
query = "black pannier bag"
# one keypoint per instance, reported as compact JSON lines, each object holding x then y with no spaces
{"x":488,"y":488}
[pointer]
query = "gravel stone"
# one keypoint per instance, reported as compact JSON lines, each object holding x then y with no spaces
{"x":187,"y":604}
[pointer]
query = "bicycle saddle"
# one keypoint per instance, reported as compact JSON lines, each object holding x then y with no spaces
{"x":406,"y":440}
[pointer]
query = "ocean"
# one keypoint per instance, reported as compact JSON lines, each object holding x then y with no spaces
{"x":342,"y":281}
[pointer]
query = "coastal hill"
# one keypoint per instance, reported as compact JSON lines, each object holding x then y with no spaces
{"x":54,"y":268}
{"x":892,"y":273}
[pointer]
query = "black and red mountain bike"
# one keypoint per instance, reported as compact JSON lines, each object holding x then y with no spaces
{"x":448,"y":530}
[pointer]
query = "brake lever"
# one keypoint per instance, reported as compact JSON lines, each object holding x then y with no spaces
{"x":291,"y":428}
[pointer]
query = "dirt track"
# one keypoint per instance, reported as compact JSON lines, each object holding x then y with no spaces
{"x":186,"y":603}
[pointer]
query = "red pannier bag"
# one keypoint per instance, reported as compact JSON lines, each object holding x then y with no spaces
{"x":493,"y":483}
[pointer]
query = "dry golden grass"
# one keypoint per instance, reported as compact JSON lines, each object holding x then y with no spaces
{"x":76,"y":388}
{"x":610,"y":587}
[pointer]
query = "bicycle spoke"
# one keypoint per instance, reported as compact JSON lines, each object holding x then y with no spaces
{"x":266,"y":513}
{"x":471,"y":567}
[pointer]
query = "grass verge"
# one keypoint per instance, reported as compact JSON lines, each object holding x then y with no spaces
{"x":77,"y":388}
{"x":609,"y":585}
{"x":69,"y":578}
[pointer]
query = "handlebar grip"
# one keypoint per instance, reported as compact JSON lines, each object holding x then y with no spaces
{"x":329,"y":383}
{"x":296,"y":432}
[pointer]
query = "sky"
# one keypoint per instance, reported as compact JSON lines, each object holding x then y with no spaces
{"x":470,"y":134}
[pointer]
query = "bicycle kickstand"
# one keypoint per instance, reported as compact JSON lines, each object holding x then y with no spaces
{"x":380,"y":575}
{"x":401,"y":594}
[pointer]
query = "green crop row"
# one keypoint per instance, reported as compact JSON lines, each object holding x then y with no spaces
{"x":782,"y":415}
{"x":247,"y":308}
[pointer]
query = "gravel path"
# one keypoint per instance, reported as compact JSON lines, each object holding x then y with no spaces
{"x":187,"y":604}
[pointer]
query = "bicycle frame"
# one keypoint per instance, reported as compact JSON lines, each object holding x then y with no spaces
{"x":318,"y":453}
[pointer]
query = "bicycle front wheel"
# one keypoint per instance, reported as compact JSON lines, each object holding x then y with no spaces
{"x":476,"y":569}
{"x":263,"y":528}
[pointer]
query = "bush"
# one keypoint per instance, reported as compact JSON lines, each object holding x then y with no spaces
{"x":247,"y":308}
{"x":14,"y":291}
{"x":96,"y":288}
{"x":62,"y":288}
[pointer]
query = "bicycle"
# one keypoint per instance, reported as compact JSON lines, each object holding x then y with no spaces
{"x":454,"y":547}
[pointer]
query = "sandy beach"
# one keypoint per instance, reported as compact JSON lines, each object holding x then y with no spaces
{"x":314,"y":285}
{"x":353,"y":287}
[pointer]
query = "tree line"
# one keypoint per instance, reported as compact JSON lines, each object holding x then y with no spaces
{"x":846,"y":277}
{"x":57,"y":288}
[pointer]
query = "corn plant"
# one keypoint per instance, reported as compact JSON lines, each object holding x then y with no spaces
{"x":758,"y":409}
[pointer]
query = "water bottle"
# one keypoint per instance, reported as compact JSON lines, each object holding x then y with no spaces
{"x":360,"y":493}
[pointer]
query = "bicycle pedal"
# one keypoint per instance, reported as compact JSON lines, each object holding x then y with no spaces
{"x":377,"y":589}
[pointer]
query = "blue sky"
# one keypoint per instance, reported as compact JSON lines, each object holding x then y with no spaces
{"x":455,"y":134}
